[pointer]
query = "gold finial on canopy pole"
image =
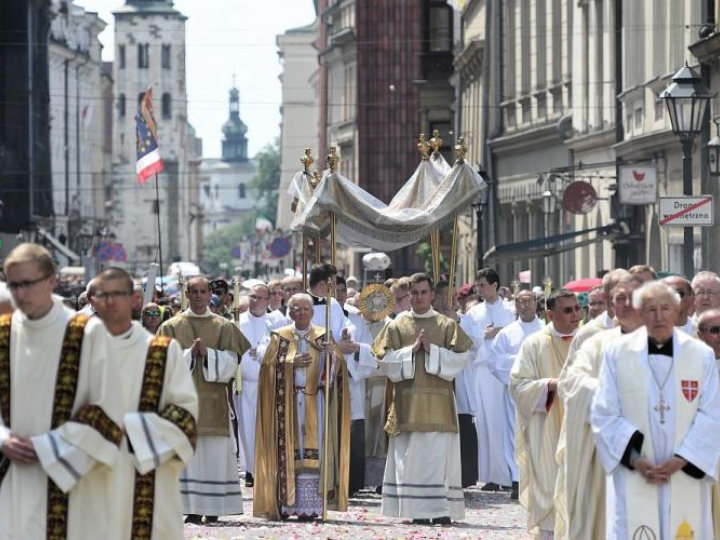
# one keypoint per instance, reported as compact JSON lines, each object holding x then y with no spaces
{"x":436,"y":142}
{"x":460,"y":150}
{"x":332,"y":159}
{"x":423,"y":147}
{"x":183,"y":293}
{"x":315,"y":179}
{"x":547,"y":283}
{"x":307,"y":159}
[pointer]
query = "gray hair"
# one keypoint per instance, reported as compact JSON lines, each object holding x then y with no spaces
{"x":705,"y":274}
{"x":295,"y":298}
{"x":611,"y":279}
{"x":261,"y":286}
{"x":652,"y":289}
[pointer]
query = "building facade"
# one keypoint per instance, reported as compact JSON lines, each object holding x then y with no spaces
{"x":80,"y":153}
{"x":299,"y":109}
{"x":150,"y":53}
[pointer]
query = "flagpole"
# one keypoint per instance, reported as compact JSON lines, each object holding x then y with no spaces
{"x":157,"y":207}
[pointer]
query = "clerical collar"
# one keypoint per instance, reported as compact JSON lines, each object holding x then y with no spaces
{"x":664,"y":350}
{"x":429,"y":313}
{"x":191,"y":313}
{"x":317,"y":300}
{"x":301,"y":333}
{"x":567,"y":337}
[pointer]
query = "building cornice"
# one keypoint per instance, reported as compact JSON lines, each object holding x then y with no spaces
{"x":707,"y":50}
{"x":596,"y":139}
{"x":651,"y":143}
{"x":527,"y":138}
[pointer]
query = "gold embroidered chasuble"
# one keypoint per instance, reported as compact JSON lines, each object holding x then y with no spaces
{"x":425,"y":402}
{"x":219,"y":334}
{"x":277,"y":452}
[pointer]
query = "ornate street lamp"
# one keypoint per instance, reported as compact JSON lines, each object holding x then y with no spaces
{"x":713,"y":147}
{"x":687,"y":101}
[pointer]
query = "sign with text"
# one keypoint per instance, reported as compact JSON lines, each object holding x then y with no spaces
{"x":637,"y":184}
{"x":686,"y":211}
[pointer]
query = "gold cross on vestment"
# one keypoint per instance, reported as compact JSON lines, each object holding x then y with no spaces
{"x":661,"y":408}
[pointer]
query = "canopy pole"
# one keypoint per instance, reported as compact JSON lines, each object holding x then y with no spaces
{"x":305,"y":262}
{"x":453,"y":263}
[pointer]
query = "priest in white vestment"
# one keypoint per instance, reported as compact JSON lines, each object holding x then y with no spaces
{"x":59,"y":410}
{"x":580,"y":487}
{"x":685,"y":320}
{"x":160,"y":407}
{"x":482,"y":324}
{"x":503,"y":352}
{"x":656,"y":421}
{"x":255,"y":324}
{"x":421,"y":352}
{"x":322,"y":278}
{"x":533,"y":386}
{"x":212,"y":346}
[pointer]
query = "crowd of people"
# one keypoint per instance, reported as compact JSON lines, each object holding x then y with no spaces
{"x":600,"y":413}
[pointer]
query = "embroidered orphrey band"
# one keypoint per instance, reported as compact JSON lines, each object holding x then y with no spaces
{"x":65,"y":390}
{"x":5,"y":382}
{"x":96,"y":418}
{"x":280,"y":408}
{"x":152,"y":387}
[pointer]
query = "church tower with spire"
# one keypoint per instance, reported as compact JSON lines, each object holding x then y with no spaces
{"x":234,"y":144}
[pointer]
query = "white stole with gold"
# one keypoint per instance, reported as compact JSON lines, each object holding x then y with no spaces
{"x":642,"y":499}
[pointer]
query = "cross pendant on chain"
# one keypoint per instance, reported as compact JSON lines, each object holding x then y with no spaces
{"x":661,"y":408}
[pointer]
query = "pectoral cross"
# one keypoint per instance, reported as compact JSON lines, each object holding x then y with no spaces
{"x":661,"y":408}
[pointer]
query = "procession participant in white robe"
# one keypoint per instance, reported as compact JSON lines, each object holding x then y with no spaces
{"x":159,"y":412}
{"x":212,"y":346}
{"x":656,"y":421}
{"x":503,"y":351}
{"x":255,"y":324}
{"x":361,"y":365}
{"x":706,"y":286}
{"x":533,"y":385}
{"x":596,"y":303}
{"x":465,"y":399}
{"x":682,"y":286}
{"x":644,"y":272}
{"x":709,"y":333}
{"x":602,"y":322}
{"x":580,"y":487}
{"x":290,"y":436}
{"x":421,"y":352}
{"x":291,"y":285}
{"x":482,"y":324}
{"x":59,"y":410}
{"x":322,"y":278}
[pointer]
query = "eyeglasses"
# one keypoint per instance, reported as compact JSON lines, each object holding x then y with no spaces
{"x":301,"y":310}
{"x":257,"y":298}
{"x":702,"y":292}
{"x":151,"y":313}
{"x":569,"y":310}
{"x":27,"y":284}
{"x":710,"y":329}
{"x":105,"y":296}
{"x":276,"y":293}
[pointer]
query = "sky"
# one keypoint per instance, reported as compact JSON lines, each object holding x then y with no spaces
{"x":226,"y":37}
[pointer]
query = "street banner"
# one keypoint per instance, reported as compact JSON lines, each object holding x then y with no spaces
{"x":686,"y":211}
{"x":637,"y":184}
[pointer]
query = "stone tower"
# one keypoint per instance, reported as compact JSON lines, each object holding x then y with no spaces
{"x":234,"y":144}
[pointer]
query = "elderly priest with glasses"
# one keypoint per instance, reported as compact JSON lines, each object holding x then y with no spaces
{"x":656,"y":421}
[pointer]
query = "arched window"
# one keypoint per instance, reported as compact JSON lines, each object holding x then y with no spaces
{"x":166,"y":106}
{"x":241,"y":191}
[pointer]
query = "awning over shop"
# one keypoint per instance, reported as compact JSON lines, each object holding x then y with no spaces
{"x":57,"y":245}
{"x":552,"y":245}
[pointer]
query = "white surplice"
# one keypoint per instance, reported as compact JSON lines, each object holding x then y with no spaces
{"x":414,"y":486}
{"x":210,"y":484}
{"x":503,"y":351}
{"x":491,"y":421}
{"x":613,"y":432}
{"x":158,"y":444}
{"x":255,"y":329}
{"x":338,"y":321}
{"x":74,"y":455}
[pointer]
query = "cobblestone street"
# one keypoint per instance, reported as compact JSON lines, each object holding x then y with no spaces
{"x":487,"y":515}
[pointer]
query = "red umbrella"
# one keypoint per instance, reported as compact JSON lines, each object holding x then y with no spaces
{"x":583,"y":285}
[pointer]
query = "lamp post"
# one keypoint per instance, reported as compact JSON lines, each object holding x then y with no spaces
{"x":713,"y":147}
{"x":687,"y":101}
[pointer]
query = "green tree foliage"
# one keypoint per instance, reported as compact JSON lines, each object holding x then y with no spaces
{"x":424,"y":251}
{"x":219,"y":245}
{"x":266,"y":181}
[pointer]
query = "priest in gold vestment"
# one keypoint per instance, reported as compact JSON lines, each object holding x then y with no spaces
{"x":421,"y":352}
{"x":212,"y":347}
{"x":533,"y":386}
{"x":289,"y":436}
